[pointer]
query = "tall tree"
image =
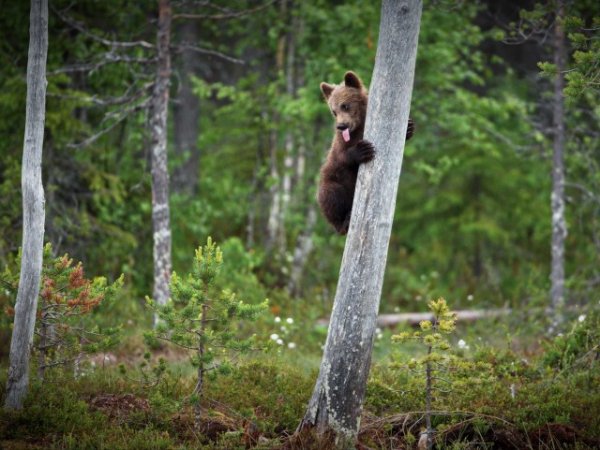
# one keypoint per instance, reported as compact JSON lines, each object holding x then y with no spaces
{"x":33,"y":208}
{"x":559,"y":225}
{"x":159,"y":106}
{"x":186,"y":114}
{"x":337,"y":399}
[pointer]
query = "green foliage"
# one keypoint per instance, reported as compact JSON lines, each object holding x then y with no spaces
{"x":203,"y":320}
{"x":580,"y":346}
{"x":67,"y":328}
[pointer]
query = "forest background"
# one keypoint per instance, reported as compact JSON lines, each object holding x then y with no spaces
{"x":247,"y":132}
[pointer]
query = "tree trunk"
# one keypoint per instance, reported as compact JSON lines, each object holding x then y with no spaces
{"x":33,"y":208}
{"x":276,"y":238}
{"x":559,"y":225}
{"x":304,"y":246}
{"x":274,"y":226}
{"x":289,"y":147}
{"x":337,"y":399}
{"x":160,"y":175}
{"x":187,"y":117}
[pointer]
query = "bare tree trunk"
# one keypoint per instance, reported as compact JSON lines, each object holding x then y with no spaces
{"x":200,"y":371}
{"x":33,"y":208}
{"x":160,"y":175}
{"x":337,"y":399}
{"x":187,"y":116}
{"x":304,"y":246}
{"x":559,"y":225}
{"x":289,"y":147}
{"x":276,"y":223}
{"x":273,"y":222}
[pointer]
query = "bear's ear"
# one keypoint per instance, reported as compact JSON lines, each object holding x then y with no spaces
{"x":327,"y":89}
{"x":352,"y":80}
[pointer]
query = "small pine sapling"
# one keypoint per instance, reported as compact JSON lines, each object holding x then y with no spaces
{"x":66,"y":329}
{"x":203,"y":321}
{"x":431,"y":335}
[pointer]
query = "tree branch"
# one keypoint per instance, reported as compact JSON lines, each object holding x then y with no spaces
{"x":205,"y":51}
{"x":126,"y":113}
{"x":110,"y":43}
{"x":226,"y":15}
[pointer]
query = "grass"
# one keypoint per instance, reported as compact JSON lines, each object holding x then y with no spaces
{"x":548,"y":399}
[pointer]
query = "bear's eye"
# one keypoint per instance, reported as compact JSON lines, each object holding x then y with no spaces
{"x":345,"y":107}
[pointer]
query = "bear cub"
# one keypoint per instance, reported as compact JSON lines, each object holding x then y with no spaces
{"x":348,"y":104}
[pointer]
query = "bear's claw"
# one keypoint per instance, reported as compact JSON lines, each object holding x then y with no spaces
{"x":364,"y":151}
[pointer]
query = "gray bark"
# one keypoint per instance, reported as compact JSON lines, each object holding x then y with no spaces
{"x":559,"y":225}
{"x":304,"y":246}
{"x":33,"y":208}
{"x":186,"y":114}
{"x":275,"y":231}
{"x":160,"y":175}
{"x":337,"y":399}
{"x":288,"y":160}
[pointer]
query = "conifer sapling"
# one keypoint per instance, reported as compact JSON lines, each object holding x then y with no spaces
{"x":202,"y":320}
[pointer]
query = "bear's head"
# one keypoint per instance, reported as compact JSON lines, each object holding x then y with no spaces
{"x":348,"y":104}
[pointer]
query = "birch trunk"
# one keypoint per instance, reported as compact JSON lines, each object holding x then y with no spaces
{"x":559,"y":225}
{"x":304,"y":246}
{"x":33,"y":208}
{"x":337,"y":399}
{"x":186,"y":114}
{"x":160,"y":175}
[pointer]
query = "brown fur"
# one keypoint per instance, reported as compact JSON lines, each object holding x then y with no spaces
{"x":348,"y":104}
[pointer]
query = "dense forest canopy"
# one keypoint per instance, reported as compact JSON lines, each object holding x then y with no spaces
{"x":473,"y":215}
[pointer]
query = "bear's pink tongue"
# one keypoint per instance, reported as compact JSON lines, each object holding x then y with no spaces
{"x":346,"y":134}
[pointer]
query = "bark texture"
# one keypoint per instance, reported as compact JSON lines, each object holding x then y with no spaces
{"x":337,"y":399}
{"x":559,"y":224}
{"x":160,"y":175}
{"x":33,"y":208}
{"x":304,"y":246}
{"x":186,"y":123}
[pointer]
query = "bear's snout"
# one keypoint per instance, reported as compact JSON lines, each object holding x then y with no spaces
{"x":342,"y":126}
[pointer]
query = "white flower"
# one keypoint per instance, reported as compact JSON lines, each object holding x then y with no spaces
{"x":581,"y":318}
{"x":284,"y":329}
{"x":274,"y":337}
{"x":379,"y":335}
{"x":279,"y":341}
{"x":289,"y":320}
{"x":470,"y":297}
{"x":462,"y":344}
{"x":378,"y":330}
{"x":277,"y":319}
{"x":292,"y":345}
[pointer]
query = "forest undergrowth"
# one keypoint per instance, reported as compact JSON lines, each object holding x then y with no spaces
{"x":543,"y":396}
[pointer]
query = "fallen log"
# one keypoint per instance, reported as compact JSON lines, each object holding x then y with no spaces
{"x":413,"y":319}
{"x":467,"y":315}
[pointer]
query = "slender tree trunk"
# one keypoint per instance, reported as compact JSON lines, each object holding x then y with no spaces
{"x":276,"y":223}
{"x":33,"y":208}
{"x":289,"y":147}
{"x":559,"y":225}
{"x":186,"y":114}
{"x":428,"y":399}
{"x":337,"y":399}
{"x":273,"y":222}
{"x":304,"y":246}
{"x":200,"y":371}
{"x":160,"y":174}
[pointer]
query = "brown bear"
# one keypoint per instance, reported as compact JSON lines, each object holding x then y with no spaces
{"x":348,"y":104}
